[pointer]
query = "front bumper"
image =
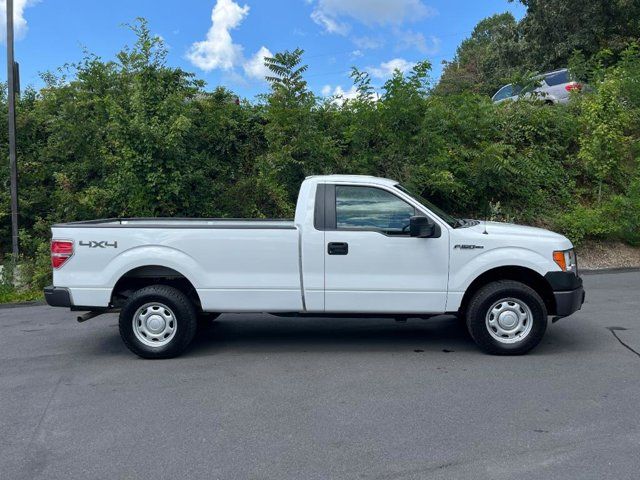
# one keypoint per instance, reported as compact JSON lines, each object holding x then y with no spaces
{"x":568,"y":292}
{"x":569,"y":302}
{"x":57,"y":296}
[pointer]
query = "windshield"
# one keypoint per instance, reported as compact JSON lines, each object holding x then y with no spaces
{"x":454,"y":222}
{"x":557,"y":78}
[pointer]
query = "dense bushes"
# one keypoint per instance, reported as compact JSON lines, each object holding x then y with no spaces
{"x":502,"y":49}
{"x":134,"y":137}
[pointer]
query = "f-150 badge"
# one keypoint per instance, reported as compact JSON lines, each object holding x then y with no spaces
{"x":98,"y":244}
{"x":468,"y":247}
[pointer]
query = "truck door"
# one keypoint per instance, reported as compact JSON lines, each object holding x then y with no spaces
{"x":372,"y":265}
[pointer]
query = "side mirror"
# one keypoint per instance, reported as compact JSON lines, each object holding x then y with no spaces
{"x":423,"y":227}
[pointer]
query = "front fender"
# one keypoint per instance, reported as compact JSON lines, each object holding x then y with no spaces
{"x":468,"y":269}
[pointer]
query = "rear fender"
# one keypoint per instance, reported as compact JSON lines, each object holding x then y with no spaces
{"x":162,"y":256}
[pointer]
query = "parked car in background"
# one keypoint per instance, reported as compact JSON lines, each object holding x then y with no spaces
{"x":553,"y":87}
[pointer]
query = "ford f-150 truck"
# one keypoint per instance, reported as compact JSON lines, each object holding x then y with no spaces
{"x":358,"y":245}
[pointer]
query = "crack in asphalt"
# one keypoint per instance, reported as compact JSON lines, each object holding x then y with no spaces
{"x":613,"y":332}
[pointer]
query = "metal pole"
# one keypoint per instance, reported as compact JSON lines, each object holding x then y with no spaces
{"x":11,"y":95}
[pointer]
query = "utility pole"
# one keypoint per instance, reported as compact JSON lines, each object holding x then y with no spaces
{"x":11,"y":96}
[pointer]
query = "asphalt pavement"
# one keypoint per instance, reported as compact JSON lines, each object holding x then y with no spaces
{"x":261,"y":397}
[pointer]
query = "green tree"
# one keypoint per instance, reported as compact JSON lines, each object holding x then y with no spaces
{"x":555,"y":29}
{"x":296,"y":146}
{"x":133,"y":136}
{"x":487,"y":59}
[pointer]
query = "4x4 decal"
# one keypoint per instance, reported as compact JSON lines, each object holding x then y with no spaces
{"x":98,"y":244}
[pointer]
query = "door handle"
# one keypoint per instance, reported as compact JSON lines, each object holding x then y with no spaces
{"x":338,"y":248}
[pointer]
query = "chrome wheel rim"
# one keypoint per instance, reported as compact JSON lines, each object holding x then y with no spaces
{"x":154,"y":324}
{"x":509,"y":320}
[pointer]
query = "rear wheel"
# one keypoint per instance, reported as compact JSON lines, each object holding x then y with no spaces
{"x":158,"y":321}
{"x":506,"y":318}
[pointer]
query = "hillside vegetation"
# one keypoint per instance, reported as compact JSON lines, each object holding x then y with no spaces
{"x":133,"y":136}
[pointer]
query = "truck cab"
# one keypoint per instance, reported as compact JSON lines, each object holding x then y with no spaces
{"x":358,"y":245}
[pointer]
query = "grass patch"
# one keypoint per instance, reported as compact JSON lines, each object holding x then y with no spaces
{"x":10,"y":295}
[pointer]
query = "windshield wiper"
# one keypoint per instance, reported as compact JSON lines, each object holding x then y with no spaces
{"x":460,"y":222}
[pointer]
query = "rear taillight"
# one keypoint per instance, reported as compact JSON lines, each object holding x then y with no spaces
{"x":573,"y":87}
{"x":61,"y":251}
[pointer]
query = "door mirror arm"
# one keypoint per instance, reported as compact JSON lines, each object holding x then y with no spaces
{"x":423,"y":227}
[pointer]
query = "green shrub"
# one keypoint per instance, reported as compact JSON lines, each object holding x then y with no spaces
{"x":135,"y":137}
{"x":625,"y":209}
{"x":583,"y":222}
{"x":24,"y":280}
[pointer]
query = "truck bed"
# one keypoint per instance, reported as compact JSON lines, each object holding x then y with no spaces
{"x":234,"y":265}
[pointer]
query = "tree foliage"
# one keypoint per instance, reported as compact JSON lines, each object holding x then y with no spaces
{"x":550,"y":34}
{"x":555,"y":29}
{"x":487,"y":59}
{"x":135,"y":137}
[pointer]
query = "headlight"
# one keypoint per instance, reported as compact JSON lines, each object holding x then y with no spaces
{"x":566,"y":260}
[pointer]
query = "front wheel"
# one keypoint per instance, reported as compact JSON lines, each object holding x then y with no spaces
{"x":158,"y":321}
{"x":506,"y":318}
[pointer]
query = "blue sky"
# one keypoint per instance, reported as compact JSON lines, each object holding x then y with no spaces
{"x":376,"y":35}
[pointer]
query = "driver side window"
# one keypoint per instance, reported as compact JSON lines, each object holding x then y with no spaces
{"x":369,"y":208}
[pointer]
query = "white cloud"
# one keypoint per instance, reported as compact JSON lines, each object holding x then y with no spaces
{"x":368,"y":43}
{"x":370,"y":12}
{"x":254,"y":67}
{"x":346,"y":95}
{"x":218,"y":49}
{"x":338,"y":91}
{"x":232,"y":78}
{"x":386,"y":69}
{"x":329,"y":23}
{"x":19,"y":22}
{"x":427,"y":45}
{"x":340,"y":95}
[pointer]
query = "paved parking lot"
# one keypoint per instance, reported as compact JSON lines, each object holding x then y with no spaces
{"x":261,"y":397}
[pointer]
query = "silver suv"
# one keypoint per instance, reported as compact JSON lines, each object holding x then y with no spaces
{"x":552,"y":87}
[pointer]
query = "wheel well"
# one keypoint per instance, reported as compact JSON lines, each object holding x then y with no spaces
{"x":524,"y":275}
{"x":152,"y":275}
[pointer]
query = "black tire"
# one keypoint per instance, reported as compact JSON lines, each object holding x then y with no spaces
{"x":483,"y":300}
{"x":181,"y":310}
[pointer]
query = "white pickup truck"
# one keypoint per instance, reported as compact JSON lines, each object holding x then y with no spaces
{"x":358,"y":245}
